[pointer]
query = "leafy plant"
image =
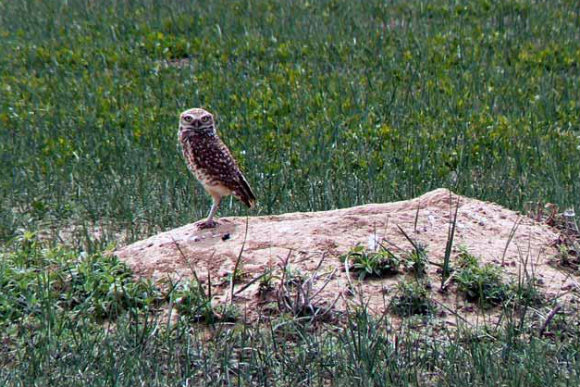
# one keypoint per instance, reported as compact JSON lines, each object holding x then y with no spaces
{"x":371,"y":263}
{"x":465,"y":259}
{"x":481,"y":284}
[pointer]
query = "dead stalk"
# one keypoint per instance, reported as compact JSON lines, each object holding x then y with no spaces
{"x":548,"y":320}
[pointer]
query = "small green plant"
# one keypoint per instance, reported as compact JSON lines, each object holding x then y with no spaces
{"x":238,"y":275}
{"x":480,"y":284}
{"x":372,"y":263}
{"x":190,"y":300}
{"x":569,"y":255}
{"x":412,"y":299}
{"x":524,"y":293}
{"x":266,"y":283}
{"x":466,"y":259}
{"x":416,"y":261}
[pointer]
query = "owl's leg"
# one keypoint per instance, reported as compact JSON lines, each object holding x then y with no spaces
{"x":214,"y":207}
{"x":209,"y":222}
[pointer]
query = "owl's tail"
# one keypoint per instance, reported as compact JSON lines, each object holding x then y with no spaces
{"x":244,"y":192}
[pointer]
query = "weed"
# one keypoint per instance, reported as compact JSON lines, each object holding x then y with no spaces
{"x":238,"y":275}
{"x":485,"y":286}
{"x":480,"y":284}
{"x":297,"y":295}
{"x":266,"y":283}
{"x":412,"y":298}
{"x":191,"y":301}
{"x":416,"y":261}
{"x":569,"y":255}
{"x":371,"y":263}
{"x":465,"y":259}
{"x":524,"y":293}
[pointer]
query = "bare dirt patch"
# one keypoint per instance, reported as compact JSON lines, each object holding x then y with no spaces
{"x":311,"y":244}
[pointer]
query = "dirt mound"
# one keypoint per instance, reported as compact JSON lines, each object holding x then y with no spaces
{"x":312,"y":243}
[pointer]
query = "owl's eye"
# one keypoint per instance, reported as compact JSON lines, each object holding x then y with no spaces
{"x":188,"y":118}
{"x":205,"y":119}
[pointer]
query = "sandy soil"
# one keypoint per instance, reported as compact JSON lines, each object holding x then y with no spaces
{"x":312,"y":243}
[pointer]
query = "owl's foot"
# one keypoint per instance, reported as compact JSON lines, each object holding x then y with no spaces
{"x":206,"y":224}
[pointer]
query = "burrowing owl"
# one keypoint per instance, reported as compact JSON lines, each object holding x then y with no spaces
{"x":210,"y":160}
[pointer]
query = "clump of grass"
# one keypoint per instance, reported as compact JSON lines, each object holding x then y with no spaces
{"x":485,"y":285}
{"x":412,"y":299}
{"x":524,"y":293}
{"x":368,"y":263}
{"x":480,"y":284}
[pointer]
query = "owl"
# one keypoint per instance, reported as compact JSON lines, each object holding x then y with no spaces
{"x":210,"y":160}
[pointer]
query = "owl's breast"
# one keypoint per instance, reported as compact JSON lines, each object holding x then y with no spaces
{"x":206,"y":160}
{"x":195,"y":162}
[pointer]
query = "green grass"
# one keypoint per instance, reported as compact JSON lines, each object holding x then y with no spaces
{"x":32,"y":278}
{"x":52,"y":341}
{"x":326,"y":104}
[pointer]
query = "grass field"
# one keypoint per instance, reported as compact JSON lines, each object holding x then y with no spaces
{"x":326,"y":104}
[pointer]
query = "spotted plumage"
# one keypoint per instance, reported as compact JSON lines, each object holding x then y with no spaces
{"x":210,"y":160}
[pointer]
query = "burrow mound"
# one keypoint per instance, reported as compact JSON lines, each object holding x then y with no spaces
{"x":312,"y":244}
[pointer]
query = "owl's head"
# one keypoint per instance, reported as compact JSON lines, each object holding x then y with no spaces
{"x":198,"y":120}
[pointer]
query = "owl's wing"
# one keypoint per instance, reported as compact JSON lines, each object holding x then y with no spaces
{"x":235,"y":180}
{"x":244,"y":192}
